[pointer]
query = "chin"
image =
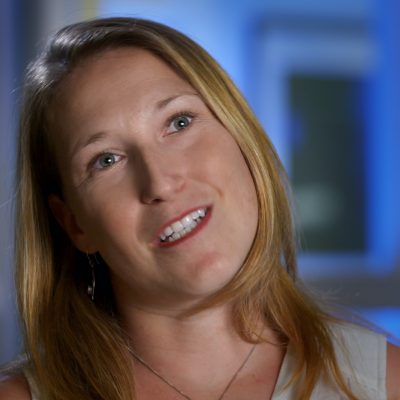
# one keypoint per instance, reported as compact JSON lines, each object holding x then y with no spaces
{"x":212,"y":278}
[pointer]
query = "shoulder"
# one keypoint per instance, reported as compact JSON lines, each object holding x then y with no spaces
{"x":371,"y":356}
{"x":359,"y":343}
{"x":14,"y":388}
{"x":393,"y":372}
{"x":361,"y":355}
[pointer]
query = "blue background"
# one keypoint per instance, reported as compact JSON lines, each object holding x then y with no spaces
{"x":261,"y":44}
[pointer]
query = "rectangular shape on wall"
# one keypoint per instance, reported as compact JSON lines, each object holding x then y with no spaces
{"x":313,"y":96}
{"x":327,"y":161}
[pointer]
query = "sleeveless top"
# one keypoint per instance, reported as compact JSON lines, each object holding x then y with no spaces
{"x":361,"y":356}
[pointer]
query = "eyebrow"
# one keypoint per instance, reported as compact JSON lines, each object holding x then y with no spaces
{"x":164,"y":102}
{"x":159,"y":105}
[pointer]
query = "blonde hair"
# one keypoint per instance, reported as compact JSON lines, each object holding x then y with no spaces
{"x":76,"y":347}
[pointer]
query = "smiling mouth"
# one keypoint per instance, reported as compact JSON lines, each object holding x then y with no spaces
{"x":184,"y":228}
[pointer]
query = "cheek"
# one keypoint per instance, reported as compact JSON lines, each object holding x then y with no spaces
{"x":223,"y":166}
{"x":246,"y":188}
{"x":229,"y":169}
{"x":246,"y":202}
{"x":101,"y":215}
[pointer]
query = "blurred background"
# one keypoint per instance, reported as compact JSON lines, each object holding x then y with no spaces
{"x":323,"y":78}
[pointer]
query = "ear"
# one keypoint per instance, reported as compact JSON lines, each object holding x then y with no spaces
{"x":67,"y":220}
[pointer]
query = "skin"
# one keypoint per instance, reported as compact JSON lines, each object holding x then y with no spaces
{"x":120,"y":103}
{"x":158,"y":172}
{"x":14,"y":388}
{"x":393,"y":372}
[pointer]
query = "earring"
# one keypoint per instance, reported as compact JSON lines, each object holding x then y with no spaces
{"x":92,"y":286}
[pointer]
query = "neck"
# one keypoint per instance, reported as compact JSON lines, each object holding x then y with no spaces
{"x":158,"y":331}
{"x":202,"y":348}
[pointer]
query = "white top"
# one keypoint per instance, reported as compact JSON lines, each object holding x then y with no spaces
{"x":361,"y":356}
{"x":362,"y":360}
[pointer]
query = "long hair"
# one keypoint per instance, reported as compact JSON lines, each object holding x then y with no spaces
{"x":77,"y":348}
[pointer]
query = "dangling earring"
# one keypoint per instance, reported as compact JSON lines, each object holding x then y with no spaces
{"x":91,"y":287}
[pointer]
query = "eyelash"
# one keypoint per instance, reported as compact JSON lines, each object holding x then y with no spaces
{"x":98,"y":158}
{"x":170,"y":121}
{"x":180,"y":114}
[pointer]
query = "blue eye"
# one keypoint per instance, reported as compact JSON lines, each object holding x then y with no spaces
{"x":179,"y":122}
{"x":106,"y":160}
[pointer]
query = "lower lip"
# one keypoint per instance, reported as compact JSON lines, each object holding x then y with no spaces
{"x":203,"y":222}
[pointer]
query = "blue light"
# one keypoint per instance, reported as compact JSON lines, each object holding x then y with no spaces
{"x":387,"y":318}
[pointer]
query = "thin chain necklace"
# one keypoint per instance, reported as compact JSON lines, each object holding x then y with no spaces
{"x":180,"y":391}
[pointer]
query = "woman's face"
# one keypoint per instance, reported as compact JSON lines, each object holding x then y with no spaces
{"x":139,"y":153}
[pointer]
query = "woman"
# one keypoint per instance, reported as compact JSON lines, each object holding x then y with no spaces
{"x":156,"y":253}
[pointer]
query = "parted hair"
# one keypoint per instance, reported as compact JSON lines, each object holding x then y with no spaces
{"x":76,"y":348}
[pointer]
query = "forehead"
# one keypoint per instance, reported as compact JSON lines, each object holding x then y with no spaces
{"x":120,"y":59}
{"x":117,"y":70}
{"x":111,"y":84}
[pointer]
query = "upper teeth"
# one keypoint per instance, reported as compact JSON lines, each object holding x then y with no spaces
{"x":180,"y":228}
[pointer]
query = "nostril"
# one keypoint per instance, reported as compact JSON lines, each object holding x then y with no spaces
{"x":158,"y":189}
{"x":156,"y":201}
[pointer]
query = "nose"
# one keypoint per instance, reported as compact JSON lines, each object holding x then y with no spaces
{"x":160,"y":178}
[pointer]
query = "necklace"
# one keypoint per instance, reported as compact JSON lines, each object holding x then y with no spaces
{"x":165,"y":380}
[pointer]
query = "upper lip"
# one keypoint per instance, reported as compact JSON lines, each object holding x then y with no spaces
{"x":177,"y":218}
